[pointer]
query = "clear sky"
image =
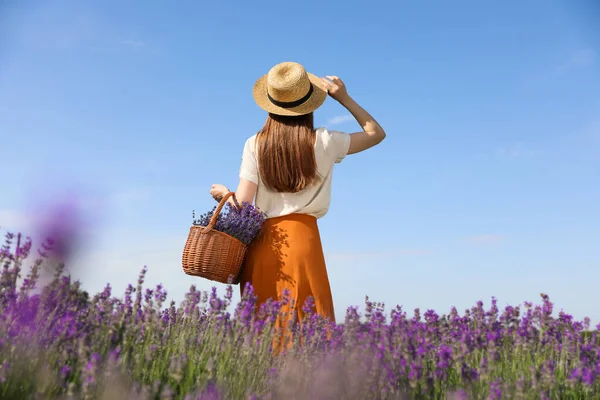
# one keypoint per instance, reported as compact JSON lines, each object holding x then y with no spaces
{"x":488,"y":183}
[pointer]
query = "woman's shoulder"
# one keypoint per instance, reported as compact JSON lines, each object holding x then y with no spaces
{"x":336,"y":143}
{"x":323,"y":134}
{"x":329,"y":136}
{"x":327,"y":132}
{"x":249,"y":151}
{"x":249,"y":143}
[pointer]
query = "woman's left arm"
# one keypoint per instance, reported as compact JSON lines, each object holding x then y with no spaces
{"x":245,"y":193}
{"x":247,"y":188}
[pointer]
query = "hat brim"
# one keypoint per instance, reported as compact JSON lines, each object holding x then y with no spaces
{"x":315,"y":101}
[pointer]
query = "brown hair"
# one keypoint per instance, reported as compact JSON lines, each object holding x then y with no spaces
{"x":285,"y":150}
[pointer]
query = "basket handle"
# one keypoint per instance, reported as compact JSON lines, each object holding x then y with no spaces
{"x":213,"y":220}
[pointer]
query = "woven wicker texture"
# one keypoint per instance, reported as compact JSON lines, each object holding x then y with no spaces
{"x":211,"y":254}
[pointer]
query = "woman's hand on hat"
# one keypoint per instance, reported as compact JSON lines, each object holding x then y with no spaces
{"x":217,"y":191}
{"x":335,"y":87}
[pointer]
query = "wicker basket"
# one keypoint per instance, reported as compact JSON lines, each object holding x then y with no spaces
{"x":212,"y":254}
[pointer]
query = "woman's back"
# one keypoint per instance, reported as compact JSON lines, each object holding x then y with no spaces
{"x":330,"y":147}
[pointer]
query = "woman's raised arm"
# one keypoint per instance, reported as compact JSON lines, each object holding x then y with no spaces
{"x":372,"y":133}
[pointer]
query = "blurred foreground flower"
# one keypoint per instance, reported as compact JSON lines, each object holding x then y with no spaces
{"x":61,"y":224}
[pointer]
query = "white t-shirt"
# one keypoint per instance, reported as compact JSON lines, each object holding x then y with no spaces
{"x":330,"y":148}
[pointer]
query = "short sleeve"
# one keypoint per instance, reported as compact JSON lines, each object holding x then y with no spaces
{"x":249,"y":167}
{"x":337,"y":144}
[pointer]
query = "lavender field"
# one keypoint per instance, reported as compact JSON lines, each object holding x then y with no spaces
{"x":56,"y":341}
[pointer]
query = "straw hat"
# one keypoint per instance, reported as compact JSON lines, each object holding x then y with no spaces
{"x":289,"y":90}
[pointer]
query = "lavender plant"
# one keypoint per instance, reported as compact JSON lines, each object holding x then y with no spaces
{"x":58,"y":341}
{"x":242,"y":223}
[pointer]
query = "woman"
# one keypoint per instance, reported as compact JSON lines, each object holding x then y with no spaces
{"x":287,"y":169}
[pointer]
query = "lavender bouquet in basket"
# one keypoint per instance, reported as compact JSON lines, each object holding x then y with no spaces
{"x":242,"y":223}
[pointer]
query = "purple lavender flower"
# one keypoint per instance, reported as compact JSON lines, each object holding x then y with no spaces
{"x":65,"y":371}
{"x":242,"y":223}
{"x":495,"y":390}
{"x":61,"y":225}
{"x":588,"y":376}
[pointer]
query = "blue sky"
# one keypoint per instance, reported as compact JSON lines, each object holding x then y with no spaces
{"x":487,"y":184}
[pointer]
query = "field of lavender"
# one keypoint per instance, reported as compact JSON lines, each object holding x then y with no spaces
{"x":56,"y":341}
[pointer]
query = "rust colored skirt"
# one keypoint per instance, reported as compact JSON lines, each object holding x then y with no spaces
{"x":288,"y":254}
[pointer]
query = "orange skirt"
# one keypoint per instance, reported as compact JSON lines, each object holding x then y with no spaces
{"x":288,"y":254}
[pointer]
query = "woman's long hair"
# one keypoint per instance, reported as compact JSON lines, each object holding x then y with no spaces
{"x":285,"y":150}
